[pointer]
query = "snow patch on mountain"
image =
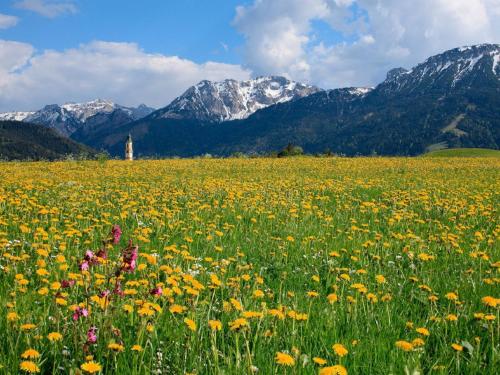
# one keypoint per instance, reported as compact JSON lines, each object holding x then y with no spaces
{"x":453,"y":68}
{"x":360,"y":91}
{"x":496,"y":63}
{"x":233,"y":100}
{"x":82,"y":111}
{"x":14,"y":116}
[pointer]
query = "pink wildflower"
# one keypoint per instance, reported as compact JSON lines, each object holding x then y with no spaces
{"x":92,"y":335}
{"x":116,"y":233}
{"x":79,"y":312}
{"x":130,"y":255}
{"x":158,"y":291}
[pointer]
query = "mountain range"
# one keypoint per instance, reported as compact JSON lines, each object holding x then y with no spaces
{"x":449,"y":100}
{"x":69,"y":117}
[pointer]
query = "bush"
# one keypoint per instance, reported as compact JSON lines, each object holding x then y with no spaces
{"x":291,"y":150}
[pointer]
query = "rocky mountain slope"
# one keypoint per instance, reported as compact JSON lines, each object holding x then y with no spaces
{"x":232,"y":100}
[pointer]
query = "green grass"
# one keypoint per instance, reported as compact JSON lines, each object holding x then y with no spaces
{"x":463,"y":153}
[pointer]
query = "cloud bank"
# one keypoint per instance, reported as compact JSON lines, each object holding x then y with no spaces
{"x":382,"y":34}
{"x":118,"y":71}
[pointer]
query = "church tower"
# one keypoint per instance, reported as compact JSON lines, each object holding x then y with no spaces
{"x":129,"y":151}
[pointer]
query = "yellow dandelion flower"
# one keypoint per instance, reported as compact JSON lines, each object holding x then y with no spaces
{"x":284,"y":359}
{"x":340,"y":350}
{"x":176,"y":309}
{"x":30,"y":354}
{"x":236,"y":304}
{"x":332,"y":298}
{"x":115,"y":347}
{"x":418,"y":342}
{"x":404,"y":345}
{"x":490,"y":301}
{"x":12,"y":316}
{"x":452,"y":317}
{"x":380,"y":279}
{"x":28,"y":326}
{"x":91,"y":367}
{"x":29,"y":366}
{"x":215,"y":325}
{"x":333,"y":370}
{"x":190,"y":324}
{"x":451,"y":296}
{"x":237,"y":324}
{"x":258,"y":293}
{"x":252,"y":314}
{"x":54,"y":336}
{"x":319,"y":361}
{"x":423,"y":331}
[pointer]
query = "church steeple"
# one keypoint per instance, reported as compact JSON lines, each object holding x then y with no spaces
{"x":129,"y":151}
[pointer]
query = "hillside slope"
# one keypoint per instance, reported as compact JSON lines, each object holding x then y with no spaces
{"x":25,"y":141}
{"x":464,"y":153}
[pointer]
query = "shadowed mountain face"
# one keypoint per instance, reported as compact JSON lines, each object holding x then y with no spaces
{"x":25,"y":141}
{"x":450,"y":100}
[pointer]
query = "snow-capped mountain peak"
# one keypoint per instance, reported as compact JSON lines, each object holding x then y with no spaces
{"x":456,"y":68}
{"x":232,"y":100}
{"x":82,"y":111}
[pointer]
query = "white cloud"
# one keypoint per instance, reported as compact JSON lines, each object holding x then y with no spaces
{"x":277,"y":33}
{"x":7,"y":21}
{"x":47,"y":8}
{"x":118,"y":71}
{"x":13,"y":55}
{"x":280,"y":36}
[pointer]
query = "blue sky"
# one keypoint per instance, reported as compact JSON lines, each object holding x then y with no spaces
{"x":194,"y":29}
{"x":150,"y":51}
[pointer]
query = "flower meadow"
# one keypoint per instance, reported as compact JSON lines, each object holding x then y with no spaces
{"x":243,"y":266}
